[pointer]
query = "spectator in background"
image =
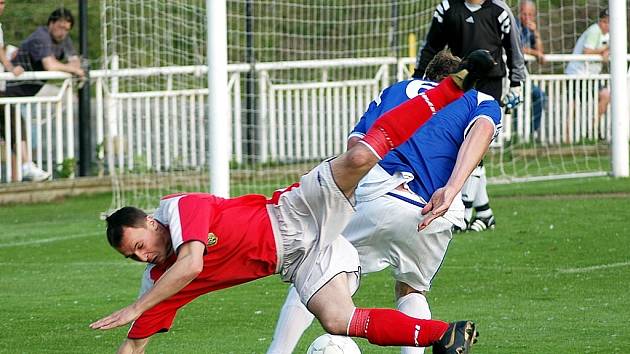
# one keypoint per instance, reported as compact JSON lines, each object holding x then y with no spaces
{"x":532,"y":45}
{"x":593,"y":41}
{"x":45,"y":50}
{"x":467,"y":25}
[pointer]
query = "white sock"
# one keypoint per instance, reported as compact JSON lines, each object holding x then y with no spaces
{"x":414,"y":305}
{"x":293,"y":321}
{"x":469,"y":191}
{"x":482,"y":201}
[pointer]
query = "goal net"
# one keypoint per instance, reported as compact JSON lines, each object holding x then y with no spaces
{"x":301,"y":73}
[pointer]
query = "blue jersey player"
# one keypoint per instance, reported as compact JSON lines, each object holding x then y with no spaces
{"x":402,"y":217}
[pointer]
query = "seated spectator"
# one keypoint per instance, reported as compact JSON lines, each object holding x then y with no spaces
{"x":593,"y":41}
{"x":532,"y":45}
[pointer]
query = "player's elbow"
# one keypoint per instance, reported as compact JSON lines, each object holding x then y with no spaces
{"x":360,"y":157}
{"x":195,"y":267}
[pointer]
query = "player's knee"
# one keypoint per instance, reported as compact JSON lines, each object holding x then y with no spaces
{"x":334,"y":325}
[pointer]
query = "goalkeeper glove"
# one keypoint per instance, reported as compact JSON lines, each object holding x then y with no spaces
{"x":513,"y":97}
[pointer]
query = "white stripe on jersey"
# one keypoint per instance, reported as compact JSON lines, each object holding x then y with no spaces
{"x":428,"y":101}
{"x":440,"y":9}
{"x":503,"y":16}
{"x":504,"y":19}
{"x":415,"y":86}
{"x":438,"y":17}
{"x":168,"y":214}
{"x":445,"y":5}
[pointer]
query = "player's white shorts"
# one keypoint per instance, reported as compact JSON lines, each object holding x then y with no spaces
{"x":384,"y":231}
{"x":310,"y":220}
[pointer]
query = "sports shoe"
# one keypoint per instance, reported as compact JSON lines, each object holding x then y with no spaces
{"x":30,"y":172}
{"x":476,"y":65}
{"x":481,"y":224}
{"x":457,"y":339}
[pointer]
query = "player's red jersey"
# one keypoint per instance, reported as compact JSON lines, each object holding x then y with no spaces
{"x":240,"y":247}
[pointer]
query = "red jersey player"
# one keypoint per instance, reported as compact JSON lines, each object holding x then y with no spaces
{"x":198,"y":243}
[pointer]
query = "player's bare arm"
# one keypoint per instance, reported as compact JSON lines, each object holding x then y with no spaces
{"x":133,"y":346}
{"x":187,"y":267}
{"x":470,"y":153}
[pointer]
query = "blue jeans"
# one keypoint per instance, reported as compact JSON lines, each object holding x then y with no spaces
{"x":538,"y":102}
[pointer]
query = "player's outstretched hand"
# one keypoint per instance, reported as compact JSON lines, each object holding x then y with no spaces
{"x":438,"y":205}
{"x":117,"y":319}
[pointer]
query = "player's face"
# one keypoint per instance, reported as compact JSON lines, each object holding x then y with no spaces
{"x":59,"y":30}
{"x":1,"y":6}
{"x":149,"y":244}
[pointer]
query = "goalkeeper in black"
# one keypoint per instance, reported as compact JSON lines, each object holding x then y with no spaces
{"x":464,"y":26}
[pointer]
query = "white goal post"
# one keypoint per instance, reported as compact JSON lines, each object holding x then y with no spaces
{"x":619,"y":87}
{"x":218,"y":126}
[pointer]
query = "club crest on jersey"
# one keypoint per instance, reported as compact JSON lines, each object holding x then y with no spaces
{"x":212,"y":239}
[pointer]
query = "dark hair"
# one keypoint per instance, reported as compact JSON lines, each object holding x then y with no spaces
{"x":442,"y":64}
{"x":124,"y":217}
{"x":603,"y":13}
{"x":61,"y":14}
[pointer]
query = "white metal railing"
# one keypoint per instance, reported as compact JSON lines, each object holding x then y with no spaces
{"x":306,"y":121}
{"x":286,"y":112}
{"x":571,"y":111}
{"x":38,"y":129}
{"x":164,"y":128}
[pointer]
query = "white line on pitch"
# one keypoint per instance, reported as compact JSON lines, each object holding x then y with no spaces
{"x":594,"y":268}
{"x":44,"y":240}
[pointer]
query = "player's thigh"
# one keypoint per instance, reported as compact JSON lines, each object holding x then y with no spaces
{"x":326,"y":204}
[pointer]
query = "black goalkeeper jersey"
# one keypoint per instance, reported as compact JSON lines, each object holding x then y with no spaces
{"x":490,"y":27}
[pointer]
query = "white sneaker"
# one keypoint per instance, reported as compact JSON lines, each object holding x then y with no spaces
{"x":30,"y":172}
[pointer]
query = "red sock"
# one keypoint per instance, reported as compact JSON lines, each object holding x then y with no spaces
{"x":393,"y":328}
{"x":399,"y":124}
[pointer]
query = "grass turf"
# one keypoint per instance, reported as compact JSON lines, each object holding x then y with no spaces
{"x":551,"y":279}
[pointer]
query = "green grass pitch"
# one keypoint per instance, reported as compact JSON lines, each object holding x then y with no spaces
{"x":552,"y":278}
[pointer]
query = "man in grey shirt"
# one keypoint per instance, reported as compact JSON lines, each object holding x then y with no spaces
{"x":46,"y":49}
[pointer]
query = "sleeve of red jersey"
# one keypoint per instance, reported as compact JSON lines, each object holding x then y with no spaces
{"x":189,"y":219}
